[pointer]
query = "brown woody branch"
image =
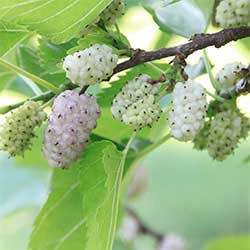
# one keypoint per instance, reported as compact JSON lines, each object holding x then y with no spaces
{"x":143,"y":228}
{"x":199,"y":41}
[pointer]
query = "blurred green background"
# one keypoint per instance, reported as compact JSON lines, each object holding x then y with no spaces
{"x":188,"y":193}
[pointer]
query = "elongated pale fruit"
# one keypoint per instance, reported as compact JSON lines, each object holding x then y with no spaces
{"x":91,"y":65}
{"x":224,"y":134}
{"x":233,"y":13}
{"x":135,"y":105}
{"x":187,"y":115}
{"x":72,"y":119}
{"x":115,"y":10}
{"x":18,"y":127}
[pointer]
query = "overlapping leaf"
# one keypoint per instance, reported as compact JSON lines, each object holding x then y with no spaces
{"x":80,"y":209}
{"x":11,"y":35}
{"x":185,"y":18}
{"x":58,"y":20}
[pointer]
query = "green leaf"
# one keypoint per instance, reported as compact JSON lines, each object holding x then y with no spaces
{"x":11,"y":35}
{"x":6,"y":78}
{"x":51,"y":54}
{"x":231,"y":243}
{"x":28,"y":59}
{"x":60,"y":224}
{"x":98,"y":35}
{"x":81,"y":211}
{"x":185,"y":18}
{"x":58,"y":20}
{"x":95,"y":35}
{"x":102,"y":224}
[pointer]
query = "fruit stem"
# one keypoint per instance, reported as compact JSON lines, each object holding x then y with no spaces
{"x":44,"y":97}
{"x":209,"y":71}
{"x":32,"y":77}
{"x":153,"y":146}
{"x":216,"y":97}
{"x":46,"y":104}
{"x":118,"y":31}
{"x":156,"y":68}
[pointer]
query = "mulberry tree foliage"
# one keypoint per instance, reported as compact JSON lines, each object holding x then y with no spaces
{"x":103,"y":105}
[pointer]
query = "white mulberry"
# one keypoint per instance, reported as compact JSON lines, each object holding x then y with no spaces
{"x":113,"y":11}
{"x":186,"y":117}
{"x":224,"y":134}
{"x":172,"y":242}
{"x":72,"y":119}
{"x":129,"y":229}
{"x":135,"y":105}
{"x":91,"y":65}
{"x":233,"y":13}
{"x":18,"y":127}
{"x":227,"y":77}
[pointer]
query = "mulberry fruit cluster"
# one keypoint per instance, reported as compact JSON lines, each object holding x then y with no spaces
{"x":233,"y":13}
{"x":72,"y":119}
{"x":18,"y":128}
{"x":227,"y":76}
{"x":187,"y":115}
{"x":91,"y":65}
{"x":224,"y":134}
{"x":113,"y":11}
{"x":135,"y":105}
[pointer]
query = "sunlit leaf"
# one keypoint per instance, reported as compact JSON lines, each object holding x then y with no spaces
{"x":232,"y":243}
{"x":185,"y":17}
{"x":11,"y":35}
{"x":58,"y":20}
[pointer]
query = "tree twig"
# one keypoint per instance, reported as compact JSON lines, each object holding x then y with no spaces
{"x":200,"y":41}
{"x":143,"y":228}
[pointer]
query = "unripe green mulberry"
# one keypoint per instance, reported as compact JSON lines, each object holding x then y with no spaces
{"x":113,"y":11}
{"x":224,"y":134}
{"x":18,"y":127}
{"x":135,"y":105}
{"x":233,"y":13}
{"x":245,"y":126}
{"x":200,"y":140}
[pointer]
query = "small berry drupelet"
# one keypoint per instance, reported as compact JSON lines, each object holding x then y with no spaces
{"x":200,"y":140}
{"x":245,"y":126}
{"x":18,"y":128}
{"x":187,"y":115}
{"x":227,"y":76}
{"x":72,"y":119}
{"x":135,"y":105}
{"x":224,"y":134}
{"x":113,"y":11}
{"x":233,"y":13}
{"x":91,"y":65}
